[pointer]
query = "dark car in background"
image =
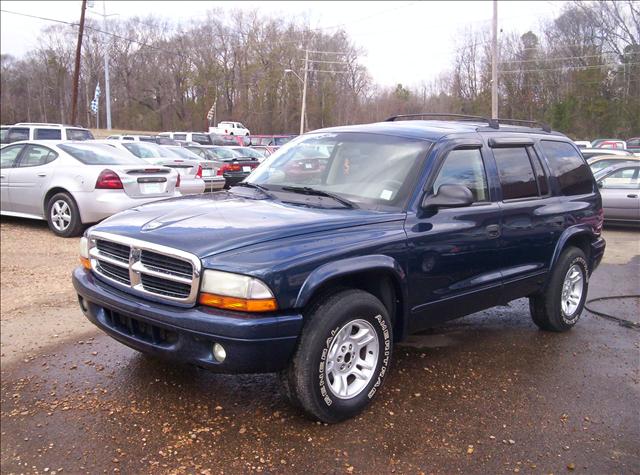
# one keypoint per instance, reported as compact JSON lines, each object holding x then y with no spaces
{"x":397,"y":227}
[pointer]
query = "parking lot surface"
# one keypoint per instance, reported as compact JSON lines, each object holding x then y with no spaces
{"x":489,"y":393}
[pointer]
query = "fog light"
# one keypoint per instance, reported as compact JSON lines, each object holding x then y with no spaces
{"x":219,"y":352}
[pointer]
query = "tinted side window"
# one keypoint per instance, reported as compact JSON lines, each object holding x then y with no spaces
{"x":8,"y":155}
{"x":16,"y":134}
{"x":541,"y":177}
{"x":47,"y":134}
{"x":573,"y":174}
{"x":464,"y":167}
{"x":516,"y":173}
{"x":179,"y":136}
{"x":36,"y":155}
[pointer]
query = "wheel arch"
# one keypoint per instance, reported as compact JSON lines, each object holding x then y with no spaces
{"x":53,"y":191}
{"x":380,"y":275}
{"x":580,"y":236}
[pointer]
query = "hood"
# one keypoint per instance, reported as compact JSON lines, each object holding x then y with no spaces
{"x":212,"y":223}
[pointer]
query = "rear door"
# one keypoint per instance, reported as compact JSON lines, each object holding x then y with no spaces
{"x":8,"y":159}
{"x":30,"y":179}
{"x":531,"y":223}
{"x":621,"y":194}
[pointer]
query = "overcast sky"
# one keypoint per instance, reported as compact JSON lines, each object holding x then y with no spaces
{"x":405,"y":41}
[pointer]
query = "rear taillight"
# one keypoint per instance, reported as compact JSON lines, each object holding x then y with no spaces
{"x":108,"y":180}
{"x":229,"y":167}
{"x":178,"y":181}
{"x":199,"y":172}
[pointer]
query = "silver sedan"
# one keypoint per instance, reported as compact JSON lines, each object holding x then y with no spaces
{"x":620,"y":189}
{"x":190,"y":170}
{"x":71,"y":184}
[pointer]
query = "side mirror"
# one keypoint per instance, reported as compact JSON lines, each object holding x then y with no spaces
{"x":449,"y":196}
{"x":600,"y":184}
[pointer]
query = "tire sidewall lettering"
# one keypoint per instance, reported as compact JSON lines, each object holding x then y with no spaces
{"x":572,"y":319}
{"x":383,"y":359}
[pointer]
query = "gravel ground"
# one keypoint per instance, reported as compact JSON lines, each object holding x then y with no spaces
{"x":485,"y":394}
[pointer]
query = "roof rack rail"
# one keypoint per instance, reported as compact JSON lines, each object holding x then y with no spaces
{"x":543,"y":125}
{"x":492,"y":122}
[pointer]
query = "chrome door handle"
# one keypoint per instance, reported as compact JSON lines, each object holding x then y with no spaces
{"x":42,"y":174}
{"x":493,"y":231}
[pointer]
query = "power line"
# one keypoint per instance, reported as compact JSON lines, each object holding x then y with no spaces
{"x":567,"y":68}
{"x":554,"y":59}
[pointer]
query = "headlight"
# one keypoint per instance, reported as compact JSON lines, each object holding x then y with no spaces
{"x":84,"y":253}
{"x":235,"y":292}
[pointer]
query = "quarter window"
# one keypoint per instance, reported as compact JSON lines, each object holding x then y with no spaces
{"x":516,"y":173}
{"x":573,"y":174}
{"x":36,"y":156}
{"x":8,"y":156}
{"x":543,"y":184}
{"x":464,"y":167}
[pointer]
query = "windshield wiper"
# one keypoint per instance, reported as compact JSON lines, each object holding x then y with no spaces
{"x":255,"y":186}
{"x":307,"y":190}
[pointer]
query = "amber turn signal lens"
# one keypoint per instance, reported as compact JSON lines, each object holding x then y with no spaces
{"x":86,"y":263}
{"x":234,"y":303}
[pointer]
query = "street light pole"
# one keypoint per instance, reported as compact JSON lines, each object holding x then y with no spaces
{"x":107,"y":96}
{"x":494,"y":62}
{"x":304,"y":91}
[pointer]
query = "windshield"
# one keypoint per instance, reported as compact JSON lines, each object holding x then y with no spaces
{"x":224,"y":153}
{"x":97,"y":154}
{"x":149,"y":150}
{"x":249,"y":152}
{"x":184,"y":153}
{"x":279,"y":141}
{"x":368,"y":169}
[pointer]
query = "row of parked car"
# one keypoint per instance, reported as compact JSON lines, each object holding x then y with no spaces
{"x":64,"y":175}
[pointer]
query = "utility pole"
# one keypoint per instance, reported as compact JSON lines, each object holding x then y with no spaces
{"x":494,"y":63}
{"x":107,"y":93}
{"x":76,"y":72}
{"x":304,"y":91}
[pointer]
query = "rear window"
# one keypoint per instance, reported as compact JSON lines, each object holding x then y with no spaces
{"x":147,"y":150}
{"x":48,"y":134}
{"x":572,"y":172}
{"x":279,"y":141}
{"x":99,"y":155}
{"x":202,"y":139}
{"x":79,"y":134}
{"x":225,"y":153}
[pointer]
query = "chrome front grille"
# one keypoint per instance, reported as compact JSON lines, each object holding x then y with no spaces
{"x":153,"y":271}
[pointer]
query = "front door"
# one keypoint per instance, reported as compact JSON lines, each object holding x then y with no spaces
{"x":30,"y":179}
{"x":454,"y":264}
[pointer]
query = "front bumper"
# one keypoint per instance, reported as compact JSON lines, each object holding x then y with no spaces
{"x":254,"y":344}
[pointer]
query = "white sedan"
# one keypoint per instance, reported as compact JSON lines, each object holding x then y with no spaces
{"x":72,"y":184}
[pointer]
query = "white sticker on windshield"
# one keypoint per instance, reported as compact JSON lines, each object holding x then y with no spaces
{"x":386,"y":195}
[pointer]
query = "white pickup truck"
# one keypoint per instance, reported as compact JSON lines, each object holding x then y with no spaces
{"x":229,"y":128}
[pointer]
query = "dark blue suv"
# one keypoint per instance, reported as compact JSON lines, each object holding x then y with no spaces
{"x":344,"y":242}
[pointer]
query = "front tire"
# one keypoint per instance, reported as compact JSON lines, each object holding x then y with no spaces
{"x":342,"y":357}
{"x":558,"y":308}
{"x":63,"y":215}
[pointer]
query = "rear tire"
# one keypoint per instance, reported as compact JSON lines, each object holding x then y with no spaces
{"x":342,"y":357}
{"x":559,"y":306}
{"x":63,"y":215}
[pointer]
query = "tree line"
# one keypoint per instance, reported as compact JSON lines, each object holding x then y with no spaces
{"x":579,"y":72}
